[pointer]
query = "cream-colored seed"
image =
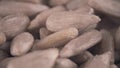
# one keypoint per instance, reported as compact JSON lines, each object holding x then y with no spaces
{"x":21,"y":44}
{"x":57,"y":39}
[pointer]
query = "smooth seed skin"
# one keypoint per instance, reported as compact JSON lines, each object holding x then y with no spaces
{"x":21,"y":44}
{"x":81,"y":43}
{"x":111,"y":8}
{"x":2,"y":38}
{"x":12,"y":25}
{"x":85,"y":10}
{"x":63,"y":20}
{"x":65,"y":63}
{"x":35,"y":59}
{"x":76,"y":4}
{"x":57,"y":39}
{"x":41,"y":18}
{"x":28,"y":9}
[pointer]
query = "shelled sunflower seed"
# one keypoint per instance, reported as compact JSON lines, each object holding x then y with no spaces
{"x":59,"y":34}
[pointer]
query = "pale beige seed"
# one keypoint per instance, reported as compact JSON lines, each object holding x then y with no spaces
{"x":117,"y":39}
{"x":63,"y":20}
{"x":14,"y":24}
{"x":85,"y":9}
{"x":21,"y":44}
{"x":57,"y":39}
{"x":44,"y":32}
{"x":82,"y":57}
{"x":29,"y":9}
{"x":41,"y":18}
{"x":110,"y":7}
{"x":81,"y":43}
{"x":99,"y":61}
{"x":29,"y":1}
{"x":65,"y":63}
{"x":75,"y":4}
{"x":58,"y":2}
{"x":2,"y":38}
{"x":36,"y":59}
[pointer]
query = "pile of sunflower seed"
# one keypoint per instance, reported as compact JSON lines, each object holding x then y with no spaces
{"x":59,"y":34}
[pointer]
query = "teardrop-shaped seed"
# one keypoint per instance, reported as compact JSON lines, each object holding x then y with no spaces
{"x":21,"y":44}
{"x":36,"y":59}
{"x":110,"y":7}
{"x":12,"y":25}
{"x":85,"y":10}
{"x":57,"y":39}
{"x":81,"y":43}
{"x":63,"y":20}
{"x":41,"y":18}
{"x":75,"y":4}
{"x":29,"y":9}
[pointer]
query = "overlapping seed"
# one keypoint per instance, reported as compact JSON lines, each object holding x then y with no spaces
{"x":81,"y":43}
{"x":111,"y":8}
{"x":57,"y":39}
{"x":85,"y":10}
{"x":29,"y":9}
{"x":41,"y":18}
{"x":35,"y":59}
{"x":63,"y":20}
{"x":75,"y":4}
{"x":21,"y":44}
{"x":12,"y":25}
{"x":59,"y":34}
